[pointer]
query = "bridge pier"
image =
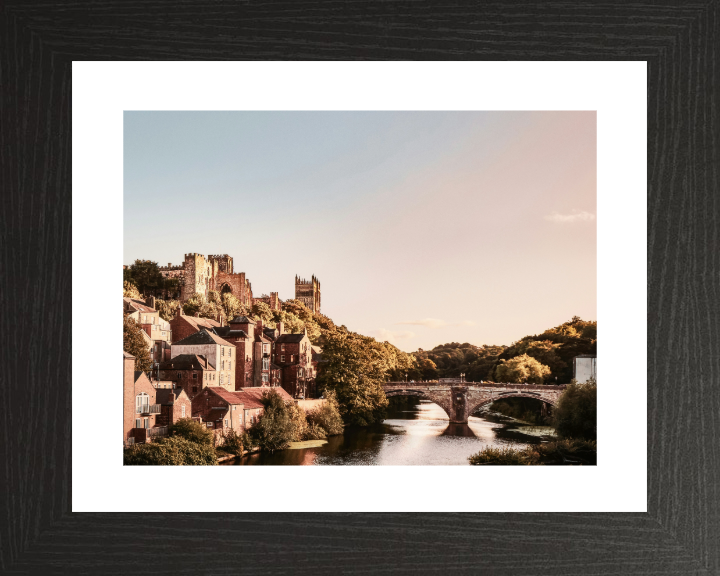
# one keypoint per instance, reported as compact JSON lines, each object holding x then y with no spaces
{"x":459,"y":404}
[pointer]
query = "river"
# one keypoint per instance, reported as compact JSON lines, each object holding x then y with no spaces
{"x":416,"y":433}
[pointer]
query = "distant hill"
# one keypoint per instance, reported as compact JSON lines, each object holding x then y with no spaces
{"x":555,"y":348}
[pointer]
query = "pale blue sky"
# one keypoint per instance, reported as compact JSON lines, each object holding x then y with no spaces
{"x":423,"y":228}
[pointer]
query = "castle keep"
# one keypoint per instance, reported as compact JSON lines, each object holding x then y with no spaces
{"x":308,"y":292}
{"x":198,"y":274}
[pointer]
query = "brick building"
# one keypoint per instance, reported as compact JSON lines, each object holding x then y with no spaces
{"x":293,"y":353}
{"x":220,"y":410}
{"x":140,"y":406}
{"x":273,"y":301}
{"x":158,"y":331}
{"x":308,"y":292}
{"x":189,"y":372}
{"x":183,"y":326}
{"x":218,"y":352}
{"x":240,"y":332}
{"x":174,"y":405}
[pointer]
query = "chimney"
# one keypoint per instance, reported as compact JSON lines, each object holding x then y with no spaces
{"x":179,"y":311}
{"x":197,"y":314}
{"x":150,"y":302}
{"x":260,"y":327}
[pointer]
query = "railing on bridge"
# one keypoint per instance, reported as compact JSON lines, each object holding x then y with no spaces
{"x":483,"y":384}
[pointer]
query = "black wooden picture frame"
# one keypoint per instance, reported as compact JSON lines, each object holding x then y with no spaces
{"x":680,"y":533}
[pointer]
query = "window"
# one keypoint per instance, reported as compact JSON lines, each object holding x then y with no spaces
{"x":179,"y":375}
{"x":138,"y":422}
{"x":223,"y":350}
{"x":266,"y":364}
{"x":282,"y":347}
{"x":282,"y":358}
{"x":265,"y":349}
{"x":194,"y":376}
{"x":264,"y":377}
{"x":142,"y":402}
{"x":163,"y":333}
{"x":225,"y":423}
{"x":209,"y":424}
{"x":299,"y":371}
{"x":230,"y":352}
{"x":230,"y":365}
{"x":221,"y":379}
{"x":223,"y":364}
{"x":182,"y":411}
{"x":194,"y":389}
{"x":291,"y":358}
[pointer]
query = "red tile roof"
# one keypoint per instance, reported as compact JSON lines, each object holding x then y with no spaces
{"x":253,"y":395}
{"x":139,"y":305}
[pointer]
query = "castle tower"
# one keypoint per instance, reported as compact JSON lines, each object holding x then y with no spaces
{"x":197,"y":276}
{"x":308,"y":292}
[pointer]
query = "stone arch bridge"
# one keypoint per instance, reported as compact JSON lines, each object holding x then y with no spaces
{"x":461,"y":399}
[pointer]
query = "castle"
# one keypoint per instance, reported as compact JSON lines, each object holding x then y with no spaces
{"x":198,"y":274}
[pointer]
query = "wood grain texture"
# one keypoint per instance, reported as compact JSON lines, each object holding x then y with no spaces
{"x":681,"y":532}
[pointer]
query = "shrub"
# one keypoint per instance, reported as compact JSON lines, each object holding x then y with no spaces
{"x":501,"y":457}
{"x":173,"y":451}
{"x":327,"y":416}
{"x":234,"y":443}
{"x":314,"y":432}
{"x":575,"y":415}
{"x":275,"y":429}
{"x":299,"y":422}
{"x":193,"y":431}
{"x":563,"y":452}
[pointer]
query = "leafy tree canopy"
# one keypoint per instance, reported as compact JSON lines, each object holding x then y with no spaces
{"x":205,"y":308}
{"x":130,"y":290}
{"x":134,"y":343}
{"x":276,"y":427}
{"x":575,"y":415}
{"x":146,"y":276}
{"x":167,"y":308}
{"x":520,"y":370}
{"x":173,"y":451}
{"x":191,"y":430}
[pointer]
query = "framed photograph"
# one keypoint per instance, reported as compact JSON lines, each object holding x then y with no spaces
{"x":648,"y":505}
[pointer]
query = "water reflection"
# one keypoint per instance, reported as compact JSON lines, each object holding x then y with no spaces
{"x":416,"y":432}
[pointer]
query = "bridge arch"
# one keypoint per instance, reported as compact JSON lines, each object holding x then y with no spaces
{"x":424,"y":395}
{"x":474,"y":406}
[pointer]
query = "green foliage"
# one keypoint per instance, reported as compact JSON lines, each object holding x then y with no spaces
{"x":262,"y":311}
{"x":355,"y":368}
{"x":327,"y":416}
{"x":297,"y":417}
{"x":520,"y":370}
{"x":173,"y":451}
{"x":451,"y":360}
{"x":234,"y":443}
{"x":134,"y":343}
{"x":192,"y":431}
{"x":198,"y":304}
{"x":130,"y":290}
{"x":314,"y":432}
{"x":232,"y":307}
{"x":575,"y":415}
{"x":167,"y":308}
{"x":146,"y":276}
{"x":275,"y":428}
{"x":500,"y":457}
{"x":562,"y":452}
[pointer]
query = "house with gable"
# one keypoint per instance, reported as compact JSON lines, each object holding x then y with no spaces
{"x":293,"y":354}
{"x":218,"y":352}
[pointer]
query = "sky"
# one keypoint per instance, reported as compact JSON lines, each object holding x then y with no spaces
{"x":423,"y":227}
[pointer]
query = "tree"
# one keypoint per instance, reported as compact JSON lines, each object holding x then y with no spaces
{"x":327,"y":416}
{"x":355,"y":368}
{"x":134,"y":343}
{"x":146,"y":275}
{"x":575,"y":415}
{"x":130,"y":290}
{"x":521,"y":369}
{"x":174,"y":451}
{"x":275,"y":428}
{"x":232,"y":307}
{"x":198,"y":304}
{"x":262,"y":311}
{"x":192,"y":430}
{"x":167,"y":308}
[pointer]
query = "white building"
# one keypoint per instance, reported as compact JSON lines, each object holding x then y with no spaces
{"x":584,"y":368}
{"x":217,"y":351}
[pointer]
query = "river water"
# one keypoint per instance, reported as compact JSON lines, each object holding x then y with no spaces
{"x":418,"y":434}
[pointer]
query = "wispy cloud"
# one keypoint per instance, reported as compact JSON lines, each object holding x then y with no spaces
{"x":384,"y":335}
{"x":436,"y":323}
{"x":576,"y":216}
